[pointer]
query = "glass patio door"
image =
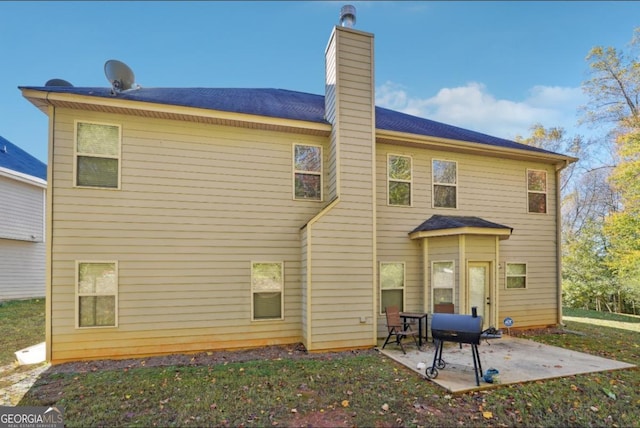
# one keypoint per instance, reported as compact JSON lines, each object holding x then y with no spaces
{"x":478,"y":274}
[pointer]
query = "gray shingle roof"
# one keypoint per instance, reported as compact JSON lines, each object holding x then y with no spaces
{"x":281,"y":103}
{"x":440,"y":222}
{"x":14,"y":158}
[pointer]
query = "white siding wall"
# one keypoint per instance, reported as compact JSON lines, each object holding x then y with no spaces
{"x":22,"y":250}
{"x":198,"y":203}
{"x":21,"y":269}
{"x":21,"y":210}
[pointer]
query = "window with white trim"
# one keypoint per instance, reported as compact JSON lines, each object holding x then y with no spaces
{"x":445,"y":183}
{"x":392,"y":281}
{"x":537,"y":191}
{"x":97,"y":294}
{"x":399,"y":175}
{"x":97,"y":155}
{"x":267,"y":286}
{"x":516,"y":274}
{"x":442,"y":285}
{"x":307,"y":172}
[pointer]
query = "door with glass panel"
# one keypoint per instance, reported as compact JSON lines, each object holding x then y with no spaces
{"x":478,"y":274}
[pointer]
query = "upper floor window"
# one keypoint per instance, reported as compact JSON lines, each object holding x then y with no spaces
{"x":392,"y":285}
{"x":537,"y":191}
{"x":445,"y":184}
{"x":97,"y":294}
{"x":267,"y":285}
{"x":307,"y":170}
{"x":97,"y":154}
{"x":399,"y":179}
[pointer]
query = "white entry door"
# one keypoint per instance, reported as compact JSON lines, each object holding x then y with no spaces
{"x":478,"y":275}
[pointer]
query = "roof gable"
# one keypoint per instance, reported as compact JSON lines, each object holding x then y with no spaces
{"x":15,"y":159}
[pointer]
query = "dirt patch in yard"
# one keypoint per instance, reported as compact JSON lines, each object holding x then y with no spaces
{"x":295,"y":351}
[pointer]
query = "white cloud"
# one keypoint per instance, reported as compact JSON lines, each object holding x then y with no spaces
{"x":473,"y":107}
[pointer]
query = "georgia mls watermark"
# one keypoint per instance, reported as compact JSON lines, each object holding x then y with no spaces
{"x":31,"y":417}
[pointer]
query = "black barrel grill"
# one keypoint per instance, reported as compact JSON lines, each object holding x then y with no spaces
{"x":459,"y":329}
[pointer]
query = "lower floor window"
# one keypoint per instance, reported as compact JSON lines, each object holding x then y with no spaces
{"x":267,"y":285}
{"x":97,"y":290}
{"x":392,"y":285}
{"x":516,"y":275}
{"x":443,"y":280}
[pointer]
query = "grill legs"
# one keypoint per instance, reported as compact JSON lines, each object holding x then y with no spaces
{"x":439,"y":363}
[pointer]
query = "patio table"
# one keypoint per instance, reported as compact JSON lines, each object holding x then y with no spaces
{"x":419,"y":317}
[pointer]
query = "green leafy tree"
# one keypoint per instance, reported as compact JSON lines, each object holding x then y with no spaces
{"x":614,"y":99}
{"x":623,"y":227}
{"x":588,"y":282}
{"x":614,"y":86}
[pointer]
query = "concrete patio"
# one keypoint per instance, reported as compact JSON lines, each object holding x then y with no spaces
{"x":517,"y":360}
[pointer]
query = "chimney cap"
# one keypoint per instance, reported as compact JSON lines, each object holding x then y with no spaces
{"x":348,"y":16}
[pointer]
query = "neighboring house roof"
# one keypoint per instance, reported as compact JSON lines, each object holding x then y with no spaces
{"x":281,"y":103}
{"x":15,"y":159}
{"x":440,"y":225}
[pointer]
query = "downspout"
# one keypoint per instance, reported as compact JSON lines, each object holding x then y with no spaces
{"x":49,"y":237}
{"x":559,"y":169}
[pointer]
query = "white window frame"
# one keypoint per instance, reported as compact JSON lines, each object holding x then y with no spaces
{"x":253,"y":318}
{"x":434,"y":184}
{"x":545,"y":192}
{"x":79,"y":295}
{"x":404,"y":283}
{"x":507,"y":276}
{"x":434,"y":286}
{"x":300,"y":171}
{"x":399,"y":180}
{"x":76,"y":154}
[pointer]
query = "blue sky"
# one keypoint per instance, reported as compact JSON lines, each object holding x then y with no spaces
{"x":494,"y":67}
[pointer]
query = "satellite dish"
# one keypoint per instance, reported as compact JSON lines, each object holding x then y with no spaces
{"x":119,"y":75}
{"x":57,"y":82}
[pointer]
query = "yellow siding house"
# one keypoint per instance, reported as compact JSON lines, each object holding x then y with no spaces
{"x":191,"y":219}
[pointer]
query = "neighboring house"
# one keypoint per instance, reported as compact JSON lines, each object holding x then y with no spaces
{"x":23,"y":188}
{"x":194,"y":219}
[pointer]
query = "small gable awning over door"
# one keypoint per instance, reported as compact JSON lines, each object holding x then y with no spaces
{"x":444,"y":225}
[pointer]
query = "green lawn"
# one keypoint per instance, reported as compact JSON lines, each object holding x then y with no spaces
{"x":351,"y":389}
{"x":22,"y":323}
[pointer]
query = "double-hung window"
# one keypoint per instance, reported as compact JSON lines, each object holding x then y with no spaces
{"x":399,"y":180}
{"x":267,"y":286}
{"x":97,"y":294}
{"x":445,"y":183}
{"x":442,"y":283}
{"x":392,"y":281}
{"x":97,"y":155}
{"x":516,"y":275}
{"x":307,"y":172}
{"x":537,"y":191}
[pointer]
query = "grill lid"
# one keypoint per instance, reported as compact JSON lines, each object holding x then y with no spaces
{"x":456,"y":328}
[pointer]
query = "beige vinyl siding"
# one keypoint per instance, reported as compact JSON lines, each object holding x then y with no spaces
{"x":197,"y":203}
{"x":341,"y":240}
{"x":494,"y":189}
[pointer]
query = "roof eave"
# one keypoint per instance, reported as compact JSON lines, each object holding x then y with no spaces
{"x":22,"y":177}
{"x":426,"y":141}
{"x":503,"y":233}
{"x":43,"y":99}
